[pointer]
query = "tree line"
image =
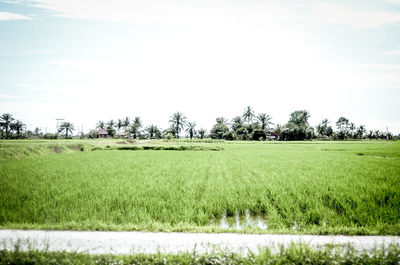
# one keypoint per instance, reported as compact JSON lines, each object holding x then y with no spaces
{"x":248,"y":126}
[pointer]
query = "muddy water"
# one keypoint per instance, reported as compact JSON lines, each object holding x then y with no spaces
{"x":239,"y":222}
{"x":148,"y":242}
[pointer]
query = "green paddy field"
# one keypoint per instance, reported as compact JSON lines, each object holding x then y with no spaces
{"x":201,"y":186}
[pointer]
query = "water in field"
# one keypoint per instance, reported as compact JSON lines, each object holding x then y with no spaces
{"x":239,"y":222}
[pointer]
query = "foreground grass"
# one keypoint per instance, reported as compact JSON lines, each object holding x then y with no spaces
{"x":296,"y":254}
{"x":305,"y":187}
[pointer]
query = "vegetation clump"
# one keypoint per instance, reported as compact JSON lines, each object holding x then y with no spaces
{"x":294,"y":254}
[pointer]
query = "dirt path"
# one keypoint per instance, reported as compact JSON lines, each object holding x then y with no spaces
{"x":149,"y":242}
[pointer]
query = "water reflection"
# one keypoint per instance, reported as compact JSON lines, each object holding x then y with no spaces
{"x":239,"y":222}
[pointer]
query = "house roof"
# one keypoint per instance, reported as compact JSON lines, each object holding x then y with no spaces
{"x":120,"y":134}
{"x":102,"y":131}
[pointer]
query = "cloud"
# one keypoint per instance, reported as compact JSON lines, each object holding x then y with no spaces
{"x":395,"y":52}
{"x":339,"y":14}
{"x":14,"y":2}
{"x":6,"y":96}
{"x":166,"y":11}
{"x":12,"y":16}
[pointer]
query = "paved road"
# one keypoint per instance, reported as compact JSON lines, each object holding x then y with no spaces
{"x":150,"y":242}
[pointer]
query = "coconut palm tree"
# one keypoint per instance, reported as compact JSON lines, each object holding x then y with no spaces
{"x":265,"y":120}
{"x":153,"y":131}
{"x":202,"y":132}
{"x":135,"y":126}
{"x":280,"y":130}
{"x":17,"y":126}
{"x":237,"y":123}
{"x":178,"y":121}
{"x":361,"y":131}
{"x":126,"y":122}
{"x":101,"y":125}
{"x":221,"y":121}
{"x":119,"y":124}
{"x":66,"y":127}
{"x":248,"y":114}
{"x":111,"y":123}
{"x":190,"y":129}
{"x":6,"y":120}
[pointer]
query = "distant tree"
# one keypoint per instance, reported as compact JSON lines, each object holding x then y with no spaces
{"x":248,"y":114}
{"x":322,"y":127}
{"x":191,"y":129}
{"x":229,"y":135}
{"x":236,"y":123}
{"x":370,"y":134}
{"x":66,"y":127}
{"x":219,"y":129}
{"x":101,"y":125}
{"x":169,"y":133}
{"x":299,"y":118}
{"x":111,"y":124}
{"x":360,"y":132}
{"x":153,"y":131}
{"x":18,"y":127}
{"x":352,"y":128}
{"x":202,"y":132}
{"x":342,"y":125}
{"x":135,"y":126}
{"x":110,"y":130}
{"x":6,"y":120}
{"x":259,"y":134}
{"x":120,"y":124}
{"x":37,"y":132}
{"x":178,"y":121}
{"x":329,"y":131}
{"x":377,"y":134}
{"x":126,"y":122}
{"x":264,"y":120}
{"x":298,"y":127}
{"x":280,"y":131}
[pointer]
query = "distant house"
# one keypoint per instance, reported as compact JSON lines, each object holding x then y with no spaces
{"x":121,"y":134}
{"x":271,"y":135}
{"x":102,"y":133}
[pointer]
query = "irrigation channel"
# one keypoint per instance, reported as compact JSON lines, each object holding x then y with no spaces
{"x":152,"y":242}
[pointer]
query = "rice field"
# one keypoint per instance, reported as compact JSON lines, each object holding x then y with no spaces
{"x":252,"y":187}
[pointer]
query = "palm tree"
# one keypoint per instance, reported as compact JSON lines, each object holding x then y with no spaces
{"x":37,"y":131}
{"x":126,"y":122}
{"x":67,"y":127}
{"x":280,"y":130}
{"x":202,"y":132}
{"x":361,"y":131}
{"x":190,"y":129}
{"x":6,"y":120}
{"x":17,"y":126}
{"x":101,"y":125}
{"x":221,"y":121}
{"x":236,"y":123}
{"x":153,"y":131}
{"x":248,"y":115}
{"x":119,"y":124}
{"x":135,"y":126}
{"x":265,"y":120}
{"x":111,"y":124}
{"x":178,"y":121}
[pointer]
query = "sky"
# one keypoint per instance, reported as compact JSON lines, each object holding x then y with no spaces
{"x":91,"y":60}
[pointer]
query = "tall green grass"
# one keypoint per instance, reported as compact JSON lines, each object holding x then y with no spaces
{"x":295,"y":254}
{"x":319,"y":188}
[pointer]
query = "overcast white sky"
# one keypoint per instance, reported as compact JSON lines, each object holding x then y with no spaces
{"x":91,"y":60}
